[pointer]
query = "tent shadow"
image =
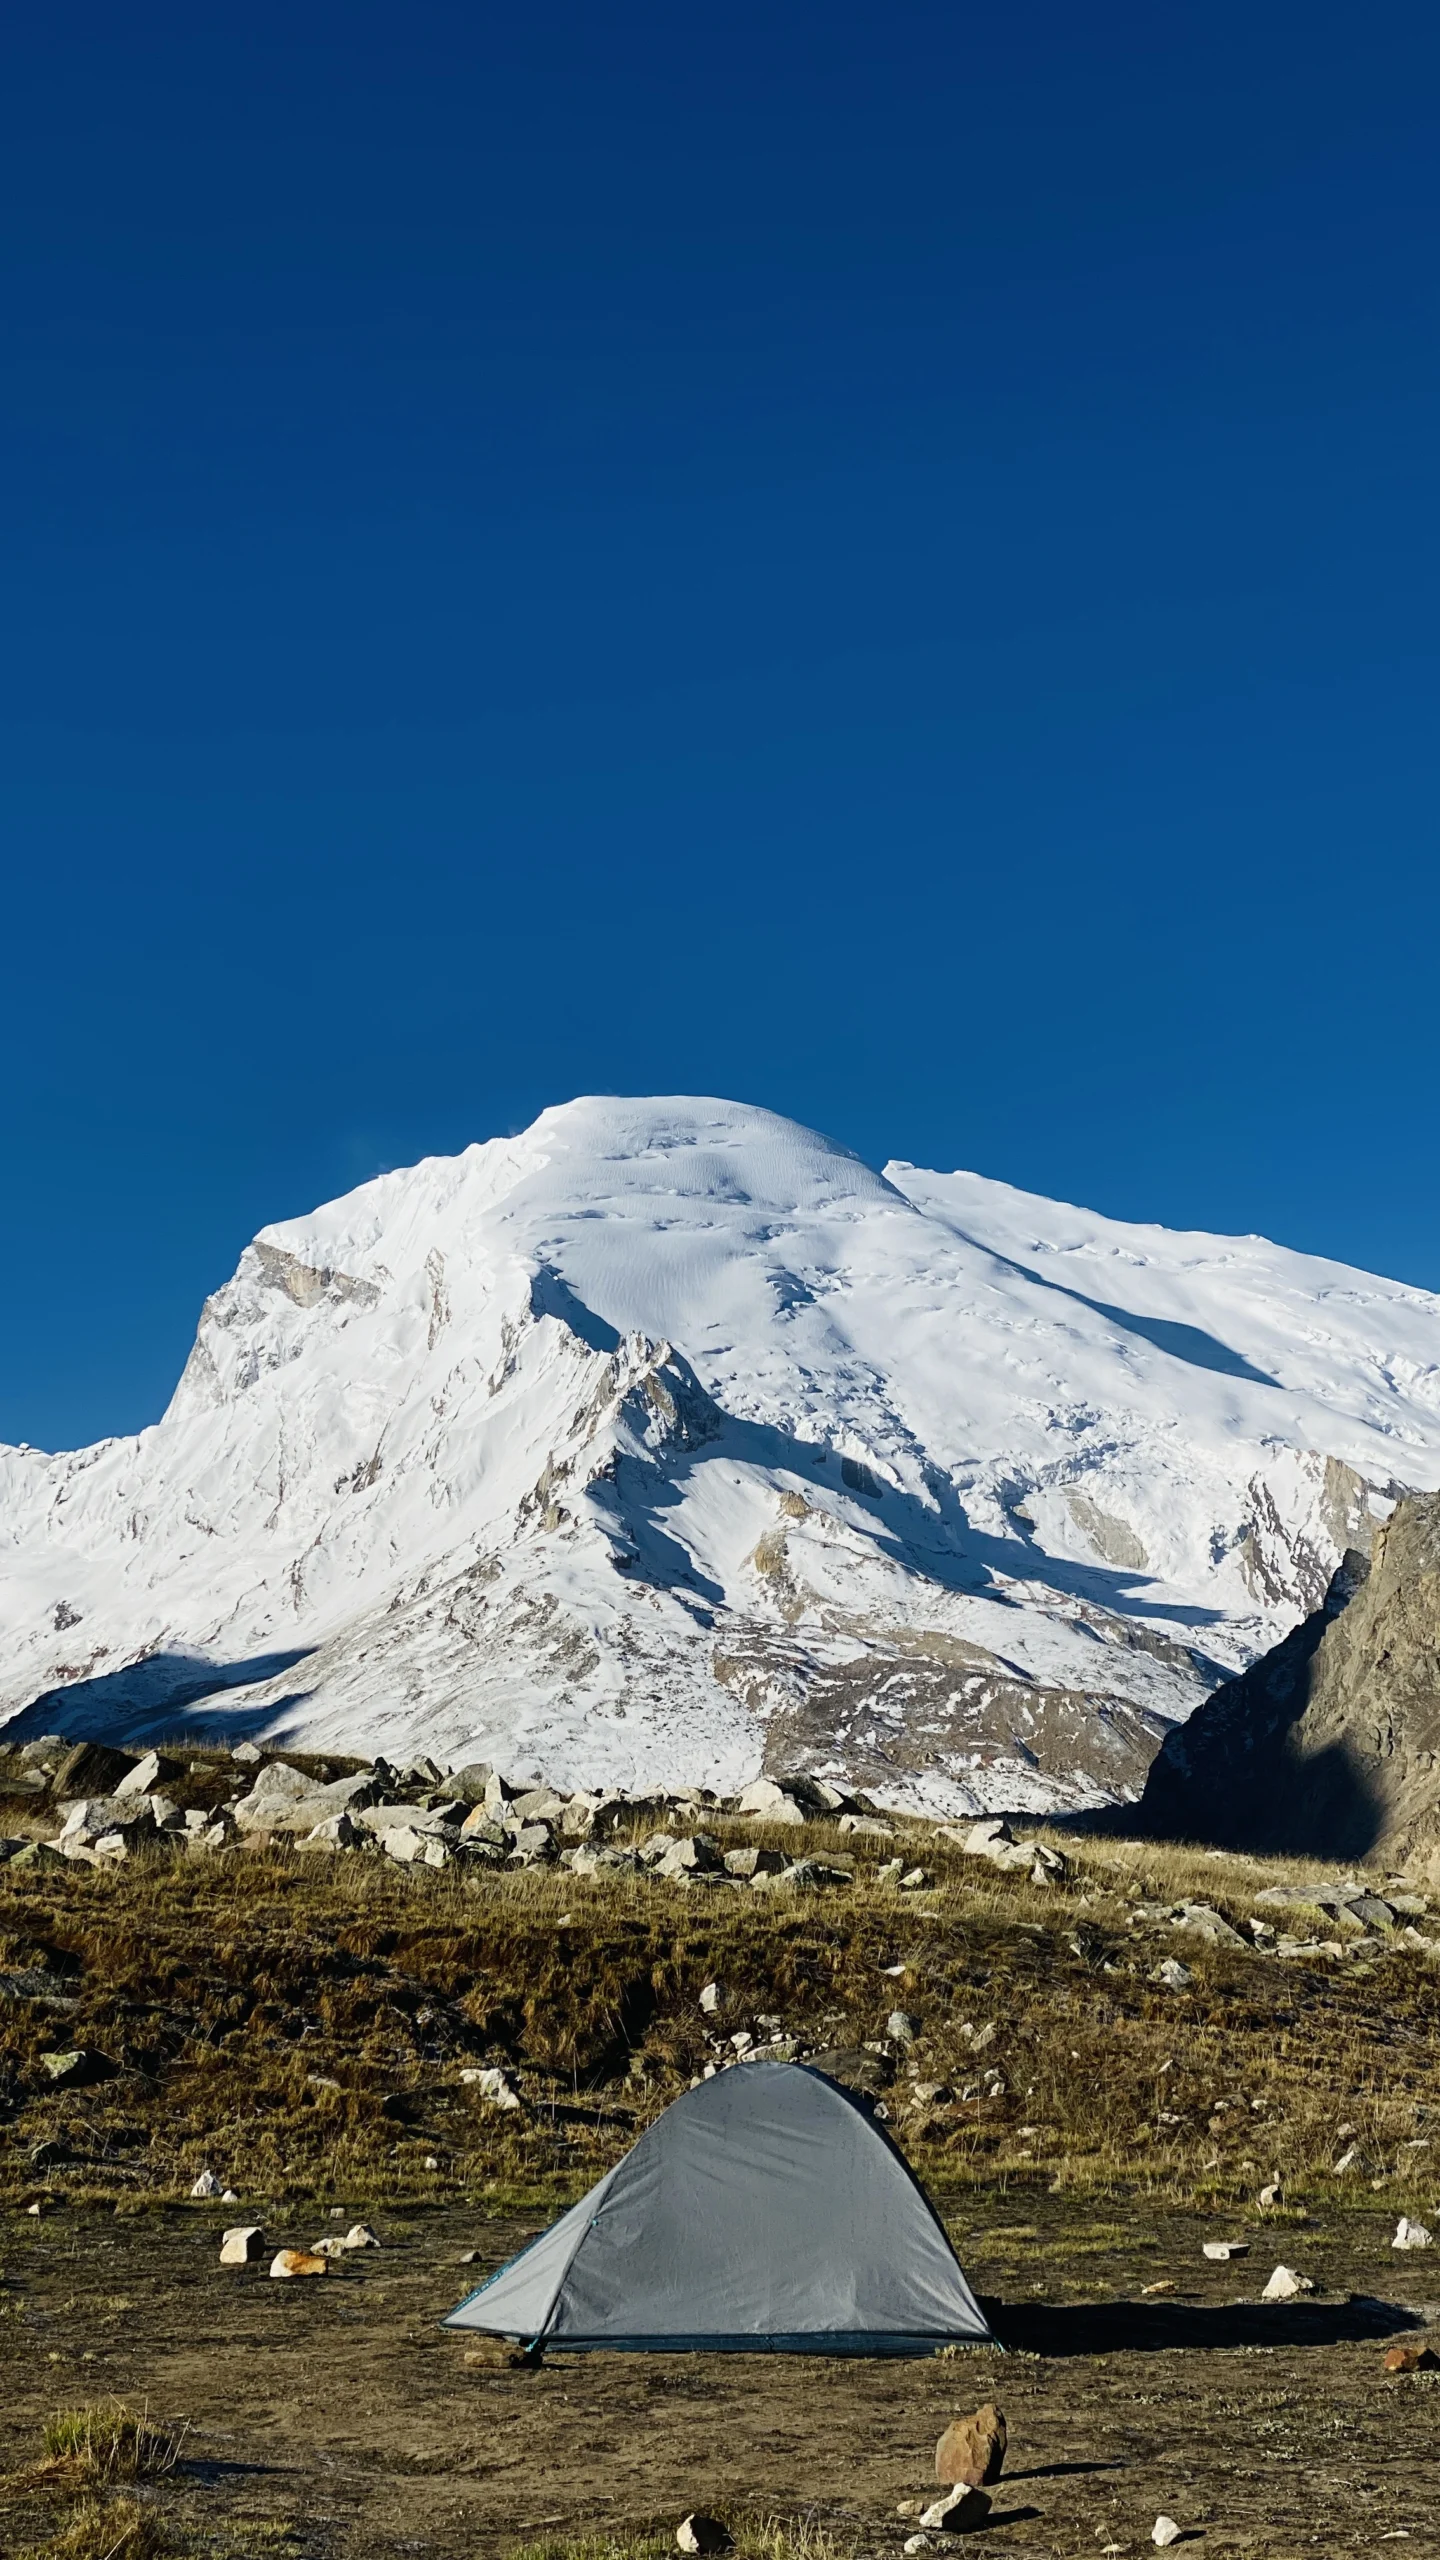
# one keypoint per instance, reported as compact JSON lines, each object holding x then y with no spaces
{"x":1149,"y":2328}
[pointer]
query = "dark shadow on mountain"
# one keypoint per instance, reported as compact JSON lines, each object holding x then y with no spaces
{"x":552,"y":1295}
{"x":141,"y":1702}
{"x":1187,"y":1342}
{"x":1153,"y":2328}
{"x":1282,"y":1804}
{"x":1236,"y":1775}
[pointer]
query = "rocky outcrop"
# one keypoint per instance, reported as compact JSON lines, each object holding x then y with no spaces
{"x":1330,"y":1744}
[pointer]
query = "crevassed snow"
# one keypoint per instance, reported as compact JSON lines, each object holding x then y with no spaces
{"x":668,"y":1434}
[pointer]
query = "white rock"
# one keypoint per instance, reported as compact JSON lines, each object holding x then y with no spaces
{"x":1273,"y":2194}
{"x":1163,"y":2532}
{"x":1223,"y":2250}
{"x":766,"y":1802}
{"x":710,"y":1998}
{"x":1173,"y":1975}
{"x":242,"y":2245}
{"x":1284,"y":2285}
{"x":494,"y":2088}
{"x":207,"y":2184}
{"x":1348,"y":2160}
{"x":1410,"y":2235}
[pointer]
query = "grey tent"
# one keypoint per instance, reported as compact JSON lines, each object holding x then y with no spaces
{"x":764,"y":2210}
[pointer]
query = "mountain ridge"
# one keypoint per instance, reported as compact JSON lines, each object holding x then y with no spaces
{"x":669,"y":1437}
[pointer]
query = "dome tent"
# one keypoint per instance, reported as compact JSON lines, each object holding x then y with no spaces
{"x":764,"y":2211}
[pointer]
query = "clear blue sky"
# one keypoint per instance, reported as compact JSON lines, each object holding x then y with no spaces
{"x":877,"y":559}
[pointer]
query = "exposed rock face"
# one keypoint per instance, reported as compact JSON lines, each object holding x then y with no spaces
{"x":1330,"y":1744}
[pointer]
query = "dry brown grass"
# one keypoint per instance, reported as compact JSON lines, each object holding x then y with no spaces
{"x":121,"y":2530}
{"x":300,"y":2025}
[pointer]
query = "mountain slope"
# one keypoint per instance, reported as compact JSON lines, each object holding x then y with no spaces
{"x":1329,"y":1745}
{"x":668,"y":1437}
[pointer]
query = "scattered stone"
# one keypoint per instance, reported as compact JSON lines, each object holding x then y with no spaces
{"x":915,"y":2542}
{"x":206,"y":2185}
{"x":78,"y":2069}
{"x":901,"y":2027}
{"x":1163,"y":2532}
{"x":242,"y":2245}
{"x":1410,"y":2235}
{"x":1347,"y":2161}
{"x":971,"y":2452}
{"x":1165,"y":2284}
{"x":1416,"y":2356}
{"x":1224,"y":2250}
{"x":710,"y":1998}
{"x":1173,"y":1975}
{"x":1285,"y":2285}
{"x":494,"y":2087}
{"x":915,"y":1880}
{"x":961,"y":2510}
{"x":701,"y":2533}
{"x":1273,"y":2194}
{"x":299,"y":2262}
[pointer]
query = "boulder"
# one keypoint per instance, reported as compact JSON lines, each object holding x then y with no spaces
{"x":92,"y":1769}
{"x":961,"y":2510}
{"x":696,"y":1854}
{"x":749,"y":1863}
{"x":971,"y":2452}
{"x":299,"y":2262}
{"x":273,"y":1800}
{"x":1410,"y":2235}
{"x":532,"y":1844}
{"x":863,"y":1826}
{"x":155,"y":1770}
{"x":242,"y":2245}
{"x":766,"y":1801}
{"x":1164,"y":2531}
{"x":481,"y":1826}
{"x":339,"y":1832}
{"x":537,"y":1804}
{"x":471,"y":1782}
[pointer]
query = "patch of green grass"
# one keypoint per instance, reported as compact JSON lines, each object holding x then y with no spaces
{"x":111,"y":2442}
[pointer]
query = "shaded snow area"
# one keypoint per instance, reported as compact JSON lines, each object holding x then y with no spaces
{"x":668,"y":1441}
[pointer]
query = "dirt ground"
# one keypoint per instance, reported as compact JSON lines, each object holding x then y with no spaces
{"x":336,"y":2417}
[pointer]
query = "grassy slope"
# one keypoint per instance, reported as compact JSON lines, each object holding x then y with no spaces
{"x":300,"y":2025}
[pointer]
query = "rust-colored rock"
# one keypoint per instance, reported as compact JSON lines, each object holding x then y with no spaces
{"x":1416,"y":2356}
{"x":299,"y":2262}
{"x":971,"y":2452}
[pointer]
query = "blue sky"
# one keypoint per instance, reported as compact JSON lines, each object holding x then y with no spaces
{"x":877,"y":560}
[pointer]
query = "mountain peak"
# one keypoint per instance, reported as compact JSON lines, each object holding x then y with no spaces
{"x":667,"y":1436}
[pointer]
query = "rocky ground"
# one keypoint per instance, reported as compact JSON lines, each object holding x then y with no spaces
{"x":1099,"y":2053}
{"x":1142,"y":2378}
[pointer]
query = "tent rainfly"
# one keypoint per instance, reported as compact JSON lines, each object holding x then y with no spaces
{"x":765,"y":2211}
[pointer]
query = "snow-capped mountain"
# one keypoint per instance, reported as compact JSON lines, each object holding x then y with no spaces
{"x":668,"y":1440}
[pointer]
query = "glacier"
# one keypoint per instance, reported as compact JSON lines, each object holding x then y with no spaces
{"x":668,"y":1441}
